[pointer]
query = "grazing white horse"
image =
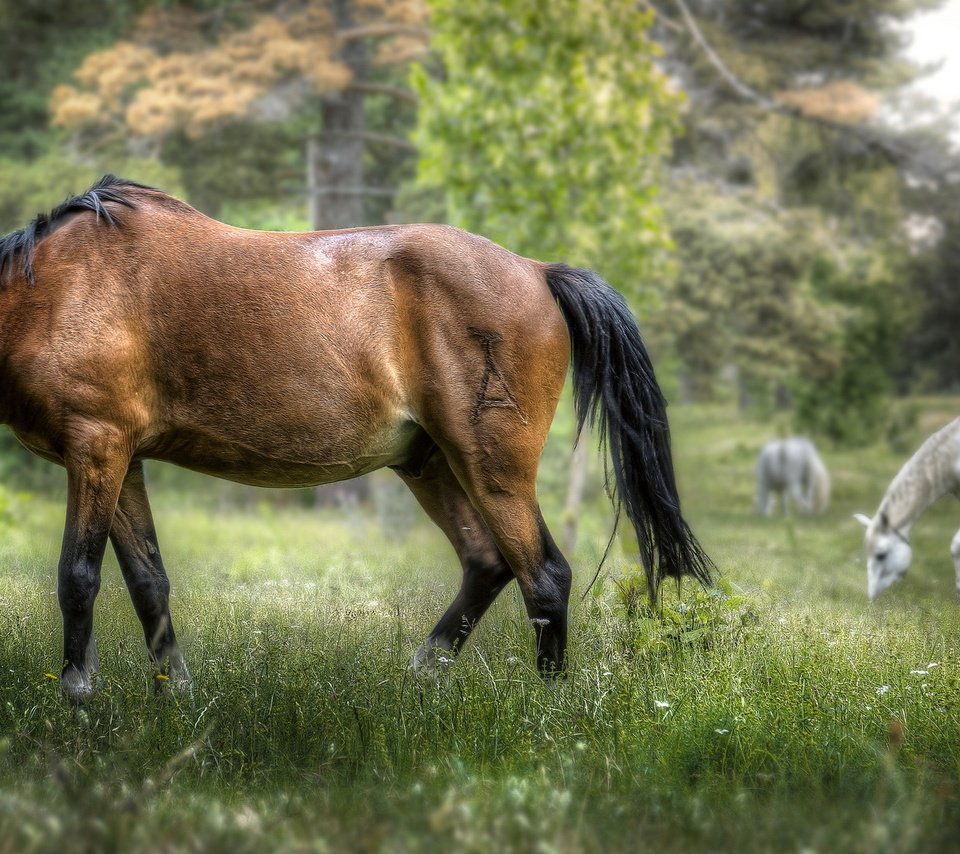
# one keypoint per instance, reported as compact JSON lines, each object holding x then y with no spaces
{"x":929,"y":474}
{"x":792,"y":469}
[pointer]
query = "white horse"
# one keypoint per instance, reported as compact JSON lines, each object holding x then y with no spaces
{"x":929,"y":474}
{"x":793,"y":469}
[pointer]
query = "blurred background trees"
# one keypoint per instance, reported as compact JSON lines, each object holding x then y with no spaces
{"x":792,"y":142}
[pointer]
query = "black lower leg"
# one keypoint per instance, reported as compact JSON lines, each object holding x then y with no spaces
{"x":150,"y":595}
{"x":135,"y":542}
{"x":77,"y":588}
{"x":483,"y":579}
{"x":547,"y":601}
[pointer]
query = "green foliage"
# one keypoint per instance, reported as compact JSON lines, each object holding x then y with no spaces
{"x":744,"y":293}
{"x":933,"y":346}
{"x":848,"y":402}
{"x":41,"y":43}
{"x":702,"y":617}
{"x":759,"y":202}
{"x":546,"y":128}
{"x":798,"y":51}
{"x":799,"y":311}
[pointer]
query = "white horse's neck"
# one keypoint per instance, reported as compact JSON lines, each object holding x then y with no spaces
{"x":929,"y":474}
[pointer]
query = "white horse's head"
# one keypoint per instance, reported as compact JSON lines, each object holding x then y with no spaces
{"x":888,"y":553}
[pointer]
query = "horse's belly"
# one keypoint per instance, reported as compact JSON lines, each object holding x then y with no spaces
{"x":290,"y":459}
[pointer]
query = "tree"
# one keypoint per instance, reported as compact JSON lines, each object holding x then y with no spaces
{"x":188,"y":72}
{"x":546,"y":127}
{"x":784,"y":130}
{"x":752,"y":70}
{"x":933,"y":346}
{"x":40,"y":44}
{"x":744,"y":295}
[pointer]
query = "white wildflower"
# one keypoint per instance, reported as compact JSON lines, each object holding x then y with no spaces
{"x":882,"y":690}
{"x":661,"y":704}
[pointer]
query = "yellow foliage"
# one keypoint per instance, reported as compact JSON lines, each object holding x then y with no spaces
{"x":329,"y":76}
{"x":72,"y":108}
{"x":154,"y":111}
{"x":841,"y":101}
{"x":173,"y":77}
{"x":123,"y":57}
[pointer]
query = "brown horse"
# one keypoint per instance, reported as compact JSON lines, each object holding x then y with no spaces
{"x":133,"y":327}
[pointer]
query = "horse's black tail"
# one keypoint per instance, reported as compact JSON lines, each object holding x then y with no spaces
{"x":615,"y":389}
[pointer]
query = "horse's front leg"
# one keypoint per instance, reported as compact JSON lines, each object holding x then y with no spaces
{"x":955,"y":552}
{"x":764,"y":507}
{"x":96,"y":466}
{"x":796,"y":497}
{"x":134,"y":539}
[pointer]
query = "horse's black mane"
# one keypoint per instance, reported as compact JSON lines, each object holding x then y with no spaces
{"x":21,"y":243}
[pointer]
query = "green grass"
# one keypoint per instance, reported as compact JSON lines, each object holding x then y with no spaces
{"x":778,"y":712}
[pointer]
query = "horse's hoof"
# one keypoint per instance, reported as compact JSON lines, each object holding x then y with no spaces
{"x":75,"y":687}
{"x":177,"y":682}
{"x":429,"y":660}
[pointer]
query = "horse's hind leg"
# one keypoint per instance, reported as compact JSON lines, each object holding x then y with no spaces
{"x":134,"y":540}
{"x":96,"y":466}
{"x":485,"y":572}
{"x":502,"y":487}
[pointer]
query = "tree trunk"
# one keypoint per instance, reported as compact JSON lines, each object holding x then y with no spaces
{"x":744,"y":396}
{"x":783,"y":398}
{"x":335,"y":161}
{"x":686,"y":394}
{"x":335,"y":164}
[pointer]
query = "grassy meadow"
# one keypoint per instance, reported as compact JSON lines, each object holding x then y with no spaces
{"x":781,"y":711}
